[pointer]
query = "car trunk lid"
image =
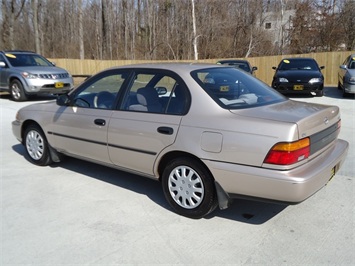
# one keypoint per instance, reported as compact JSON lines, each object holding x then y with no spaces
{"x":319,"y":122}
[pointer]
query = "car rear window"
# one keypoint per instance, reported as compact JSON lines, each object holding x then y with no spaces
{"x":235,"y":89}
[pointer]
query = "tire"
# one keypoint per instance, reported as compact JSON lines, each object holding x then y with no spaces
{"x":17,"y":92}
{"x":339,"y":86}
{"x":189,"y":188}
{"x":319,"y":93}
{"x":36,"y":146}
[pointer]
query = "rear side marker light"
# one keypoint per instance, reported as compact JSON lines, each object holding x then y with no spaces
{"x":286,"y":153}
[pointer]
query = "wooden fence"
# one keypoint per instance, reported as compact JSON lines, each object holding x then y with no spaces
{"x":331,"y":61}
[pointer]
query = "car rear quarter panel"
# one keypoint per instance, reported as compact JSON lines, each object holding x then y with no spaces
{"x":238,"y":139}
{"x":241,"y":140}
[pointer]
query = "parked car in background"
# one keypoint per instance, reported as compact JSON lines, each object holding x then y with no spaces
{"x":208,"y":133}
{"x":346,"y":76}
{"x":241,"y":64}
{"x":24,"y":73}
{"x":298,"y":75}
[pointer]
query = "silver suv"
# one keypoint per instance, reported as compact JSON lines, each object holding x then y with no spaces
{"x":25,"y":73}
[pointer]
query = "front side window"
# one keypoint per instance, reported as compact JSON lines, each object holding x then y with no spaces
{"x":101,"y":92}
{"x":233,"y":89}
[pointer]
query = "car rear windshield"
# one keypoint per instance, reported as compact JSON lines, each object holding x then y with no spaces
{"x":25,"y":60}
{"x":303,"y":64}
{"x":234,"y":89}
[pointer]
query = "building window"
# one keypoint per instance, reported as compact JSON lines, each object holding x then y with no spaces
{"x":268,"y":25}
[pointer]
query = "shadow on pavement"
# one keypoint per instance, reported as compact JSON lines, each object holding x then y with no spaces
{"x":31,"y":98}
{"x":244,"y":211}
{"x":330,"y":92}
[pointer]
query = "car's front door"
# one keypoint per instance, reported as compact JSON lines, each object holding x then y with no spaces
{"x":342,"y":71}
{"x":3,"y":84}
{"x":81,"y":129}
{"x":146,"y":124}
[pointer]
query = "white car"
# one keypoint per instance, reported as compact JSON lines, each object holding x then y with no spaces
{"x":346,"y":76}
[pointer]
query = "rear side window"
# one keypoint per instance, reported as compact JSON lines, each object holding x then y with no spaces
{"x":156,"y":91}
{"x":235,"y":89}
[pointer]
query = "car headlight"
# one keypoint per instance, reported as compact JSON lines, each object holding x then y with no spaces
{"x":27,"y":75}
{"x":352,"y":79}
{"x":315,"y":80}
{"x":283,"y":80}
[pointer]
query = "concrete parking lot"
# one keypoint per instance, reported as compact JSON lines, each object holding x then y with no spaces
{"x":77,"y":213}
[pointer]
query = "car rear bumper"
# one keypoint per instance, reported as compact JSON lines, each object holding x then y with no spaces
{"x":291,"y":186}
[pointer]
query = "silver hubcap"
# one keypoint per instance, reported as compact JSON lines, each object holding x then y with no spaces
{"x":34,"y":145}
{"x":15,"y":90}
{"x":186,"y":187}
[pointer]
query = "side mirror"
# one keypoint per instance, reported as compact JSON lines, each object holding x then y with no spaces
{"x":53,"y":63}
{"x":161,"y":90}
{"x":343,"y":67}
{"x":274,"y":68}
{"x":254,"y":68}
{"x":322,"y":67}
{"x":63,"y":100}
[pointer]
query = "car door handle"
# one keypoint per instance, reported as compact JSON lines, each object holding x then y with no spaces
{"x":100,"y":122}
{"x":165,"y":130}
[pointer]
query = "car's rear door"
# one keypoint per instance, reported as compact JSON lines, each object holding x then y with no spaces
{"x":138,"y":132}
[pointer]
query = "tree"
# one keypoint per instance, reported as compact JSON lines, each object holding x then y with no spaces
{"x":347,"y":22}
{"x":34,"y":4}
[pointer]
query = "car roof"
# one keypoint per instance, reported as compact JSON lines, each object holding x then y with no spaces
{"x":171,"y":66}
{"x":233,"y":61}
{"x":298,"y":58}
{"x":17,"y":51}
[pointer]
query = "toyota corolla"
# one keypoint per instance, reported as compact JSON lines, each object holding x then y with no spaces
{"x":208,"y":133}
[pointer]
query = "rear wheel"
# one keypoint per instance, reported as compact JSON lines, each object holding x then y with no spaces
{"x":37,"y":146}
{"x":17,"y":92}
{"x":189,"y":188}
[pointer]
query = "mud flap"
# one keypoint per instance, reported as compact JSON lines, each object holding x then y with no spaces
{"x":222,"y":196}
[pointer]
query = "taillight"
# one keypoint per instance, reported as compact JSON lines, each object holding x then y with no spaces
{"x":286,"y":153}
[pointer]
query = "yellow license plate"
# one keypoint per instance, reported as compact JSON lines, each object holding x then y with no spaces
{"x":224,"y":88}
{"x":58,"y":85}
{"x":298,"y":87}
{"x":332,"y":173}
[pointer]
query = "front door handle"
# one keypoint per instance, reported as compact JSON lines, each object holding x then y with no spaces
{"x":100,"y":122}
{"x":165,"y":130}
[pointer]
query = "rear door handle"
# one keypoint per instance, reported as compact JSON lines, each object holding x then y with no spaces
{"x":165,"y":130}
{"x":100,"y":122}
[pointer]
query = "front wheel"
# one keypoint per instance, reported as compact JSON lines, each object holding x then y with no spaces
{"x":189,"y":188}
{"x":319,"y":93}
{"x":37,"y":146}
{"x":17,"y":92}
